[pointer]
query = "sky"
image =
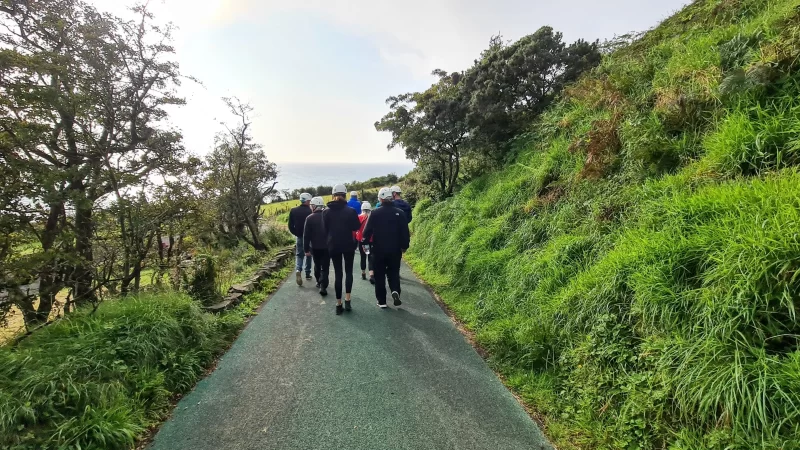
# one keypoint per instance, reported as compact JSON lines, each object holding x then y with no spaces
{"x":317,"y":72}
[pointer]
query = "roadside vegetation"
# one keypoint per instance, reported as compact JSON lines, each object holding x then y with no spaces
{"x":633,"y":267}
{"x":102,"y":379}
{"x":114,"y":239}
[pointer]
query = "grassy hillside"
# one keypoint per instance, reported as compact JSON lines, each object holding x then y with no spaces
{"x":634,"y":272}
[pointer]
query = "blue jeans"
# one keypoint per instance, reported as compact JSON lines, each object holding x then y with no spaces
{"x":300,"y":255}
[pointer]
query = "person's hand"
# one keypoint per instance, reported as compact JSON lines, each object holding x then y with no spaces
{"x":308,"y":253}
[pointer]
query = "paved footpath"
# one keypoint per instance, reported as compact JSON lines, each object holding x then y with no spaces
{"x":300,"y":377}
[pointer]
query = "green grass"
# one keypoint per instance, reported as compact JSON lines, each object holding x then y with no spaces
{"x":634,"y":273}
{"x":280,"y":209}
{"x":99,"y":381}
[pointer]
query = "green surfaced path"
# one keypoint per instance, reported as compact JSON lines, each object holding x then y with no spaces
{"x":300,"y":377}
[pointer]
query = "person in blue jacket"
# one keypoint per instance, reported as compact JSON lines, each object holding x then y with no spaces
{"x":399,"y":203}
{"x":354,"y":203}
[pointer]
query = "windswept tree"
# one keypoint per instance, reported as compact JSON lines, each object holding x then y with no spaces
{"x":474,"y":114}
{"x":513,"y":83}
{"x":82,"y":113}
{"x":432,"y":128}
{"x":240,"y":178}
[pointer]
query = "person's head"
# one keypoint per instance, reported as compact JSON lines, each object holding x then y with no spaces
{"x":305,"y":198}
{"x":396,"y":191}
{"x":354,"y":194}
{"x":339,"y":192}
{"x":366,"y":208}
{"x":317,"y":203}
{"x":385,"y":196}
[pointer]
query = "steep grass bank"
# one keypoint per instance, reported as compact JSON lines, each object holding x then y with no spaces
{"x":634,"y":272}
{"x":99,"y":381}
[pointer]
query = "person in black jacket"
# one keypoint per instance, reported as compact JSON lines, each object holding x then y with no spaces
{"x":388,"y":228}
{"x":297,"y":220}
{"x":341,"y":222}
{"x":399,"y":203}
{"x":315,"y":244}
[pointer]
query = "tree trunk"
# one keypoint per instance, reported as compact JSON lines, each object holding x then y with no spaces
{"x":253,"y":227}
{"x":50,"y":278}
{"x":82,"y":273}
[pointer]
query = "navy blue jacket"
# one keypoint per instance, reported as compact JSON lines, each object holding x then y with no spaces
{"x":297,"y":219}
{"x":403,"y":206}
{"x":388,"y":229}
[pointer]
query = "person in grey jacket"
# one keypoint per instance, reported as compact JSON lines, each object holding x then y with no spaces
{"x":315,"y":244}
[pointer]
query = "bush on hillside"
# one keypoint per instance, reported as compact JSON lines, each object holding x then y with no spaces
{"x":634,"y":272}
{"x":100,"y":380}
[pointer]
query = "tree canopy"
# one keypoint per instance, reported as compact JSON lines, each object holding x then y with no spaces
{"x":474,"y":113}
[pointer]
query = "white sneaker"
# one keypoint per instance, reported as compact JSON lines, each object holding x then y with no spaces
{"x":384,"y":306}
{"x":299,"y":278}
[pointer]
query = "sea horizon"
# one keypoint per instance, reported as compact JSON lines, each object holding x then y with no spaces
{"x":296,"y":175}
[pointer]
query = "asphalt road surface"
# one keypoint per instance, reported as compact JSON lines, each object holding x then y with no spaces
{"x":300,"y":377}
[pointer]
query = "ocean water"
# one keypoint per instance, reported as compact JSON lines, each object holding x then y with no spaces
{"x":299,"y":175}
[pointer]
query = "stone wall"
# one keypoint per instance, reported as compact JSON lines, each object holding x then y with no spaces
{"x":237,"y":292}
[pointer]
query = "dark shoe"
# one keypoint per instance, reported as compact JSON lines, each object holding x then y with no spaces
{"x":339,"y":310}
{"x":372,"y":280}
{"x":396,"y":297}
{"x":382,"y":305}
{"x":323,"y":292}
{"x":363,"y":276}
{"x":308,"y":276}
{"x":347,"y":306}
{"x":299,"y":278}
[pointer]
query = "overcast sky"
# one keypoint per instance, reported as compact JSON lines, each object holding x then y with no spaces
{"x":318,"y":72}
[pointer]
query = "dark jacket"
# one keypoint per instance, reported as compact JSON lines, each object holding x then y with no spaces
{"x":403,"y":206}
{"x":355,"y":204}
{"x":388,"y":228}
{"x":341,"y":222}
{"x":314,"y":235}
{"x":297,"y":219}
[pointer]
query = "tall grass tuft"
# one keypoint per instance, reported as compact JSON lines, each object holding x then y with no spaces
{"x":99,"y":380}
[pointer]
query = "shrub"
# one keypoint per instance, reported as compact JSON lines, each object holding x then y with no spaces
{"x":99,"y":380}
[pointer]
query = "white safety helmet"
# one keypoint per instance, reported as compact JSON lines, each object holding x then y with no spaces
{"x":365,"y":206}
{"x":385,"y":194}
{"x":339,"y":189}
{"x":305,"y":196}
{"x":396,"y":188}
{"x":317,"y":201}
{"x":353,"y":193}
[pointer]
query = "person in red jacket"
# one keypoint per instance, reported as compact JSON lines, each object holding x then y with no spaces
{"x":366,"y":258}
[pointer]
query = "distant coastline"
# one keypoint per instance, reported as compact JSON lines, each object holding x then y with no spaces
{"x":298,"y":175}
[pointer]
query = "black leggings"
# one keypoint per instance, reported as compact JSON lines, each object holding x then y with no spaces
{"x":365,"y":258}
{"x":348,"y":258}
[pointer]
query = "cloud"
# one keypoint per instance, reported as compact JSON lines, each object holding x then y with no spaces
{"x":427,"y":34}
{"x":317,"y":71}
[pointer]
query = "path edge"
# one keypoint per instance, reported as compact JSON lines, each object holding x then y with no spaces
{"x":149,"y":436}
{"x":532,"y":412}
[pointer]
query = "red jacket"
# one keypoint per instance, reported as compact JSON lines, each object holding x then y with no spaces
{"x":363,"y":219}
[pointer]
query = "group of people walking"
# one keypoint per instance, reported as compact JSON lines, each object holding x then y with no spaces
{"x":332,"y":233}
